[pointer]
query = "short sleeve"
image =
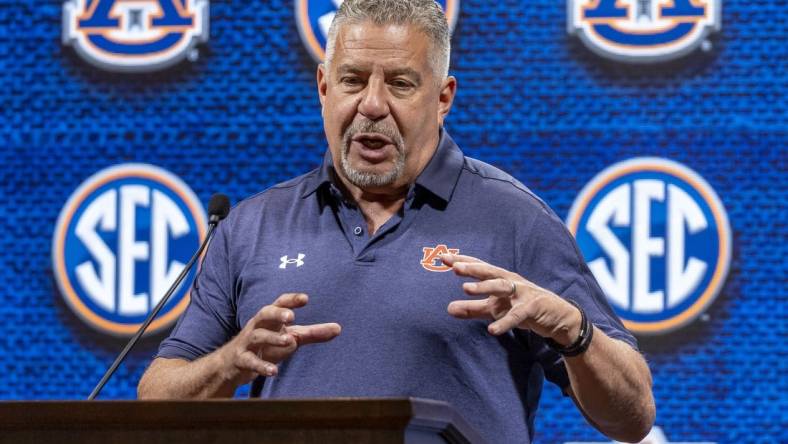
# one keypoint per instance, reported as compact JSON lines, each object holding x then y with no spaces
{"x":549,"y":258}
{"x":209,"y":320}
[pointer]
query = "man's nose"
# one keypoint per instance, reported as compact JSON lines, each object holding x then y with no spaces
{"x":374,"y":104}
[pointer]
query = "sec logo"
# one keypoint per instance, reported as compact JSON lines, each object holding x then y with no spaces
{"x":657,"y":239}
{"x":120,"y":241}
{"x":314,"y":17}
{"x":643,"y":30}
{"x":134,"y":36}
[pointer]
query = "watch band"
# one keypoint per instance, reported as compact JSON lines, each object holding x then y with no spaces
{"x":583,"y":340}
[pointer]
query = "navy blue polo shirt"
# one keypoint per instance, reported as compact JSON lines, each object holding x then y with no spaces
{"x":390,"y":294}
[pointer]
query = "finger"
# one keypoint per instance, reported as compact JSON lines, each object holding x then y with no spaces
{"x":498,"y":287}
{"x":291,"y":300}
{"x":272,"y":317}
{"x":278,"y":314}
{"x":310,"y":334}
{"x":451,"y":259}
{"x":517,"y":316}
{"x":249,"y":361}
{"x":261,"y":337}
{"x":471,"y":309}
{"x":482,"y":271}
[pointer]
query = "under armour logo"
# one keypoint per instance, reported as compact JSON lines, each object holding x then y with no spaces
{"x":286,"y":261}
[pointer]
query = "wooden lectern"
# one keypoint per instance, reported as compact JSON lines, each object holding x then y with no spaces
{"x":324,"y":421}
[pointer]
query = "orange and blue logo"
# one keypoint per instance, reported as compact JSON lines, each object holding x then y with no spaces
{"x":657,"y":239}
{"x":431,"y":261}
{"x":644,"y":30}
{"x":135,"y":36}
{"x":120,"y":241}
{"x":314,"y":18}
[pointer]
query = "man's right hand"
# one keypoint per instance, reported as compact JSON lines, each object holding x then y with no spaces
{"x":269,"y":338}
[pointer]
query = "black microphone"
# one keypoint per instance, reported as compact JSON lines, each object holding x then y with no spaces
{"x":218,"y":207}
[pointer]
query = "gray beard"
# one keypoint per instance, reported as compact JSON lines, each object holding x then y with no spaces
{"x":365,"y":179}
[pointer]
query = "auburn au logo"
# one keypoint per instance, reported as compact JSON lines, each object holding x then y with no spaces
{"x":643,"y":30}
{"x":431,"y":262}
{"x":134,"y":36}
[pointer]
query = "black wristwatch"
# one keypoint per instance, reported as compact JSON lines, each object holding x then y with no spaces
{"x":583,"y":339}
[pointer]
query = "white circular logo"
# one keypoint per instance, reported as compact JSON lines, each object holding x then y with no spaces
{"x":120,"y":241}
{"x":134,"y":36}
{"x":657,"y":239}
{"x":643,"y":30}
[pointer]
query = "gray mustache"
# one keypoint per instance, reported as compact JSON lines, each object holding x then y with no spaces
{"x":369,"y":126}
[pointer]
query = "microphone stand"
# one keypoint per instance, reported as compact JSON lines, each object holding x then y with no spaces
{"x":214,"y":221}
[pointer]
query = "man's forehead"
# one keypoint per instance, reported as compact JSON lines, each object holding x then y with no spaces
{"x":367,"y":36}
{"x":367,"y":42}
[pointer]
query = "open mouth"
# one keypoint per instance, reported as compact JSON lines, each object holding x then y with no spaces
{"x":372,"y":141}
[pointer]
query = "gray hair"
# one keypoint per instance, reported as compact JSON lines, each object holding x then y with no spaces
{"x":427,"y":15}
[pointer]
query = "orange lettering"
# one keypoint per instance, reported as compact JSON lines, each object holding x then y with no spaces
{"x":430,"y":257}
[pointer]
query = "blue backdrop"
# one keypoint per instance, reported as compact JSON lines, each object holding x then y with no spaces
{"x":532,"y":100}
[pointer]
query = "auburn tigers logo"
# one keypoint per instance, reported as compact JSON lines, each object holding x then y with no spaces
{"x":134,"y":36}
{"x":643,"y":30}
{"x":431,"y":260}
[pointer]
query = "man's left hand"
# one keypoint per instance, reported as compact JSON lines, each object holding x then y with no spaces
{"x":512,"y":301}
{"x":610,"y":383}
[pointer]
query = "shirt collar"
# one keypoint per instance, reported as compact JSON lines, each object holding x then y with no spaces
{"x":319,"y":177}
{"x":439,"y":177}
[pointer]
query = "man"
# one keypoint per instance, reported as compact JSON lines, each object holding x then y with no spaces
{"x":366,"y":245}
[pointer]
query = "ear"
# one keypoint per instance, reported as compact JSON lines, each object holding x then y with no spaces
{"x":322,"y":83}
{"x":446,"y":98}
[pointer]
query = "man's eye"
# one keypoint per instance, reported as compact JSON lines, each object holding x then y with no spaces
{"x":401,"y":84}
{"x":351,"y":81}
